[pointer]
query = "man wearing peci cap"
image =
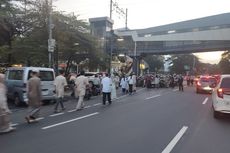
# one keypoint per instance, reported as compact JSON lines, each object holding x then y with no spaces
{"x":5,"y":125}
{"x":60,"y":84}
{"x":81,"y":84}
{"x":34,"y":96}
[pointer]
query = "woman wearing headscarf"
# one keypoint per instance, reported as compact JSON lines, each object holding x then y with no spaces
{"x":5,"y":124}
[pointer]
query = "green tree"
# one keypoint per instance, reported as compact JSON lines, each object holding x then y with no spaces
{"x":184,"y":62}
{"x":156,"y":62}
{"x":27,"y":34}
{"x":224,"y":63}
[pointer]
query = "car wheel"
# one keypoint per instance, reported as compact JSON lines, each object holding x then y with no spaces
{"x":216,"y":114}
{"x":17,"y":100}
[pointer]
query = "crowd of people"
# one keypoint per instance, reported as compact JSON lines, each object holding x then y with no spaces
{"x":105,"y":85}
{"x":165,"y":80}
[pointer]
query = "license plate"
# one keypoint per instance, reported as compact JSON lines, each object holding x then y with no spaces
{"x":45,"y":93}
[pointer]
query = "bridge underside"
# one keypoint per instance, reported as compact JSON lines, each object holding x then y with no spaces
{"x":180,"y":47}
{"x":198,"y":35}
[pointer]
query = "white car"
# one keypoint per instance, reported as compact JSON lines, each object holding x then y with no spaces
{"x":221,"y":96}
{"x":16,"y":82}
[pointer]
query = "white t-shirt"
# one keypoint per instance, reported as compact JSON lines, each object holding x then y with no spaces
{"x":157,"y":80}
{"x":106,"y":84}
{"x":60,"y":83}
{"x":130,"y":80}
{"x":123,"y":83}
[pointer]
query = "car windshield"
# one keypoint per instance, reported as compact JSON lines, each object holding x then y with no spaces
{"x":212,"y":80}
{"x":208,"y":80}
{"x":225,"y":83}
{"x":204,"y":80}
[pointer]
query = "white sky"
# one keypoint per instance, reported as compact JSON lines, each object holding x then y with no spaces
{"x":146,"y":13}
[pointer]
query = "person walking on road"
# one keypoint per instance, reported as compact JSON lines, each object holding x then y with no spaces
{"x":180,"y":83}
{"x":130,"y":81}
{"x":34,"y":96}
{"x":123,"y":84}
{"x":72,"y":84}
{"x":5,"y":125}
{"x":80,"y":84}
{"x":60,"y":84}
{"x":157,"y":82}
{"x":134,"y":77}
{"x":106,"y":89}
{"x":97,"y":84}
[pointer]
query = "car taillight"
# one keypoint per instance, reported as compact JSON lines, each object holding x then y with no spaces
{"x":198,"y":83}
{"x":220,"y":93}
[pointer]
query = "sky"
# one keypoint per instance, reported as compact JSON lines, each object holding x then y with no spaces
{"x":148,"y":13}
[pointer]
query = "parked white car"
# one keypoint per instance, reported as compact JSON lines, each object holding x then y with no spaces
{"x":16,"y":82}
{"x":221,"y":96}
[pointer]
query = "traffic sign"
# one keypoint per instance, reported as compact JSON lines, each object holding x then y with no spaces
{"x":51,"y":45}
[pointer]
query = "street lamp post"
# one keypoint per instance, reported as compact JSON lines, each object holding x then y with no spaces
{"x":111,"y":52}
{"x":51,"y":41}
{"x":135,"y":58}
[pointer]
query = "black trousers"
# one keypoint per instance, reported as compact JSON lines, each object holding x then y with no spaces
{"x":59,"y":101}
{"x":108,"y":95}
{"x":130,"y":88}
{"x":181,"y":88}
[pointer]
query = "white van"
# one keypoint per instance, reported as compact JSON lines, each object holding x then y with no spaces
{"x":16,"y":80}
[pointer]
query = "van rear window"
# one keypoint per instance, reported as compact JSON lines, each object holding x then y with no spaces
{"x":225,"y":83}
{"x":15,"y":74}
{"x":44,"y":75}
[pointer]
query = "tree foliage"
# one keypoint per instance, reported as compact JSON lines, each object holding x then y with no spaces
{"x":24,"y":35}
{"x":184,"y":62}
{"x":156,"y":62}
{"x":224,"y":63}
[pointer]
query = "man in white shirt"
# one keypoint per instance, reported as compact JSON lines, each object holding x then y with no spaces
{"x":106,"y":88}
{"x":80,"y":84}
{"x":130,"y":80}
{"x":157,"y":81}
{"x":60,"y":83}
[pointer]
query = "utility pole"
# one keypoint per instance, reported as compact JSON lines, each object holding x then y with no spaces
{"x":111,"y":39}
{"x":111,"y":9}
{"x":194,"y":62}
{"x":126,"y":19}
{"x":120,"y":11}
{"x":135,"y":58}
{"x":51,"y":41}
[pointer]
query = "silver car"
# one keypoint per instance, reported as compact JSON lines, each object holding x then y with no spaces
{"x":221,"y":96}
{"x":16,"y":82}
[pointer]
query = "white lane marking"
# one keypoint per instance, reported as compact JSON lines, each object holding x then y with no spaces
{"x":56,"y":114}
{"x":87,"y":107}
{"x":40,"y":118}
{"x":175,"y":89}
{"x":97,"y":104}
{"x":70,"y":111}
{"x":72,"y":120}
{"x":14,"y":124}
{"x":121,"y":97}
{"x":205,"y":101}
{"x":140,"y":89}
{"x":174,"y":141}
{"x":155,"y":96}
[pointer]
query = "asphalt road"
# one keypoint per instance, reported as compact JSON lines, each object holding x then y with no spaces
{"x":150,"y":121}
